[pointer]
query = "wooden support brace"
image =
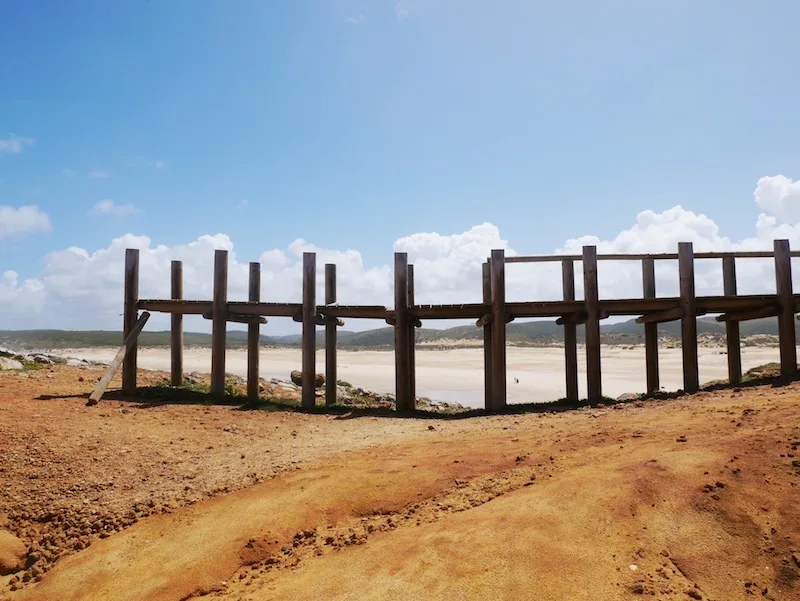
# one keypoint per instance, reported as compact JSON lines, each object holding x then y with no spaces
{"x":688,"y":302}
{"x":785,"y":298}
{"x":330,"y":324}
{"x":309,"y":335}
{"x":129,"y":318}
{"x":591,"y":303}
{"x":579,"y":318}
{"x":176,"y":327}
{"x":497,"y":273}
{"x":238,"y":318}
{"x":413,"y":323}
{"x":661,"y":316}
{"x":326,"y":320}
{"x":650,"y":329}
{"x":770,"y":311}
{"x":486,"y":281}
{"x":127,"y":345}
{"x":732,"y":338}
{"x":484,"y":320}
{"x":570,"y":332}
{"x":253,"y":333}
{"x":402,"y":343}
{"x":218,"y":327}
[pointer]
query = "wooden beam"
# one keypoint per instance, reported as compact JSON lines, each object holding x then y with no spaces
{"x":486,"y":281}
{"x":594,"y":385}
{"x":127,"y":345}
{"x":732,"y":338}
{"x":734,"y":317}
{"x":181,"y":307}
{"x":330,"y":336}
{"x":661,"y":317}
{"x":570,"y":332}
{"x":176,"y":326}
{"x":402,"y":355}
{"x":783,"y":288}
{"x":412,"y":335}
{"x":237,"y":318}
{"x":497,"y":273}
{"x":253,"y":334}
{"x":325,"y":320}
{"x":219,"y":313}
{"x":572,"y":319}
{"x":650,"y":329}
{"x":309,"y":336}
{"x":266,"y":309}
{"x":691,"y":374}
{"x":129,"y":318}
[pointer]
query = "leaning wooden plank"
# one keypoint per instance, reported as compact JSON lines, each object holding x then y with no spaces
{"x":747,"y":315}
{"x":129,"y":342}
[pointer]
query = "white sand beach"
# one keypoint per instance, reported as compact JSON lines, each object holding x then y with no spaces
{"x":457,"y":374}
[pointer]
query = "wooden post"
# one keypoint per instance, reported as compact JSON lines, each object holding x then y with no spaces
{"x":591,"y":299}
{"x":402,"y":354}
{"x":487,"y":340}
{"x":498,"y":327}
{"x":650,"y":329}
{"x":127,"y":344}
{"x":253,"y":335}
{"x":570,"y":331}
{"x":330,"y":337}
{"x":219,"y":322}
{"x":691,"y":376}
{"x":783,"y":288}
{"x":129,"y":318}
{"x":412,"y":335}
{"x":309,"y":340}
{"x":732,"y":327}
{"x":176,"y":327}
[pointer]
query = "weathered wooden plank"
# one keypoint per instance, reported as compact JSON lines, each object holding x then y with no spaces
{"x":129,"y":318}
{"x":486,"y":282}
{"x":266,"y":309}
{"x":402,"y":355}
{"x":176,"y":326}
{"x":330,"y":336}
{"x":758,"y":254}
{"x":732,"y":338}
{"x":497,"y":273}
{"x":181,"y":307}
{"x":691,"y":374}
{"x":570,"y":331}
{"x":253,"y":334}
{"x":463,"y":311}
{"x":661,"y":316}
{"x":594,"y":385}
{"x":238,"y":318}
{"x":309,"y":335}
{"x":783,"y":287}
{"x":355,"y":312}
{"x":650,"y":329}
{"x":737,"y":316}
{"x":219,"y":311}
{"x":412,"y":335}
{"x":127,"y":345}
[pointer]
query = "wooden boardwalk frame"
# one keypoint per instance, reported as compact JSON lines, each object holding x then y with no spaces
{"x":491,"y":314}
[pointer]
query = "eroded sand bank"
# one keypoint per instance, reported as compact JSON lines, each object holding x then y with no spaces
{"x":457,"y":374}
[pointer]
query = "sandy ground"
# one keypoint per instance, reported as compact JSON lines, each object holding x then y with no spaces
{"x":693,"y":498}
{"x":457,"y":375}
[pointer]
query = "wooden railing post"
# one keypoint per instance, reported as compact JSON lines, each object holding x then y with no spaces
{"x":691,"y":375}
{"x":783,"y":288}
{"x":330,"y":337}
{"x":130,"y":317}
{"x":402,"y":354}
{"x":219,"y":323}
{"x":487,"y":339}
{"x":498,"y":327}
{"x":650,"y":329}
{"x":253,"y":334}
{"x":309,"y":336}
{"x":412,"y":335}
{"x":570,"y":331}
{"x":591,"y":300}
{"x":732,"y":326}
{"x":176,"y":327}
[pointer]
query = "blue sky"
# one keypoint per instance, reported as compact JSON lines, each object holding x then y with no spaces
{"x":352,"y":124}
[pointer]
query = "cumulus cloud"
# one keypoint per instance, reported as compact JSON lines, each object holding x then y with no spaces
{"x":84,"y":288}
{"x":21,"y":221}
{"x":108,"y":207}
{"x":98,"y":174}
{"x":780,"y":197}
{"x":14,"y":144}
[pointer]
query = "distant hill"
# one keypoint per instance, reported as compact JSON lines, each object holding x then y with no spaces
{"x":532,"y":333}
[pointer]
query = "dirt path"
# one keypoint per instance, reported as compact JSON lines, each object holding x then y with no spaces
{"x":695,"y":498}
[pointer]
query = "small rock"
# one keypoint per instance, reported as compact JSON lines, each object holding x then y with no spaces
{"x":9,"y":364}
{"x":12,"y":553}
{"x":681,"y":439}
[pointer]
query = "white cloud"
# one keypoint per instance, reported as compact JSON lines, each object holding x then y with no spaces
{"x":243,"y":204}
{"x":21,"y":221}
{"x":67,"y":172}
{"x":779,"y":196}
{"x":355,"y":20}
{"x":160,"y":164}
{"x":98,"y":174}
{"x":84,"y":288}
{"x":108,"y":207}
{"x":401,"y":10}
{"x":14,"y":144}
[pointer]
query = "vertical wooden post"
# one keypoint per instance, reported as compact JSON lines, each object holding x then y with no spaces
{"x":650,"y":329}
{"x":591,"y":300}
{"x":309,"y":339}
{"x":130,"y":313}
{"x":570,"y":331}
{"x":498,"y":326}
{"x":783,"y":288}
{"x":487,"y":340}
{"x":402,"y":354}
{"x":330,"y":337}
{"x":253,"y":335}
{"x":732,"y":327}
{"x":176,"y":327}
{"x":412,"y":347}
{"x":691,"y":376}
{"x":219,"y":325}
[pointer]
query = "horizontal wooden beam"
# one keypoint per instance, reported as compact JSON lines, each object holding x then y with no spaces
{"x":354,"y":311}
{"x":484,"y":320}
{"x":449,"y":311}
{"x":239,"y":318}
{"x":751,"y":314}
{"x":572,"y":318}
{"x":183,"y":307}
{"x":759,"y":254}
{"x":661,"y":316}
{"x":267,"y":309}
{"x":327,"y":320}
